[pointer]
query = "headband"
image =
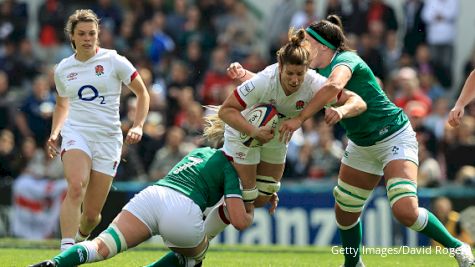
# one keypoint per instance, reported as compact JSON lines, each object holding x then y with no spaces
{"x":319,"y":38}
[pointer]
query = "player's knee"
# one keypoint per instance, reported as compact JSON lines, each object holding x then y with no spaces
{"x":398,"y":188}
{"x":402,"y":195}
{"x":267,"y":185}
{"x":113,"y":240}
{"x":75,"y":191}
{"x":350,"y":198}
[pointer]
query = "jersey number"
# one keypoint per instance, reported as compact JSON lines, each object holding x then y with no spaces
{"x":90,"y":98}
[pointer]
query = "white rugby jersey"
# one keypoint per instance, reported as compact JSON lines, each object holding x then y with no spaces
{"x":265,"y":88}
{"x":93,"y":89}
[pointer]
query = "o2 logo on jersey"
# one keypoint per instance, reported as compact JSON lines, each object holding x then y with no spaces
{"x":85,"y":91}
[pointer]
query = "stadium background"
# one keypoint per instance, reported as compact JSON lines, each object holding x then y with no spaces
{"x":182,"y":49}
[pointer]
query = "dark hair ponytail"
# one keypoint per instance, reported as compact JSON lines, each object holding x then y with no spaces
{"x":335,"y":20}
{"x":331,"y":30}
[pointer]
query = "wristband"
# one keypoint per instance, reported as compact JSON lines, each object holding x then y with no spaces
{"x":245,"y":72}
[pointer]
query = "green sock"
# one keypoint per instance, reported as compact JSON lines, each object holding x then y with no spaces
{"x":437,"y":231}
{"x":72,"y":256}
{"x":351,"y":241}
{"x":169,"y":260}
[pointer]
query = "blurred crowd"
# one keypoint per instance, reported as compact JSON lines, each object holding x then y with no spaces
{"x":181,"y":49}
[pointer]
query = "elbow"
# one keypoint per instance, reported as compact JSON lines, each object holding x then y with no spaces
{"x":334,"y":87}
{"x":222,"y":113}
{"x":363,"y":107}
{"x":241,"y":224}
{"x":242,"y":221}
{"x":143,"y":95}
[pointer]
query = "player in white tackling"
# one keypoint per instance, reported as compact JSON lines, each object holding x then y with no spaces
{"x":288,"y":85}
{"x":87,"y":116}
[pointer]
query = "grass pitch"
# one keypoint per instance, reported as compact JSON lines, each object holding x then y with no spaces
{"x":22,"y":253}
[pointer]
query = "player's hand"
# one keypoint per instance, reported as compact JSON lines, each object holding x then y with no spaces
{"x":455,"y":115}
{"x":287,"y":129}
{"x":235,"y":71}
{"x":53,"y":149}
{"x":263,"y":134}
{"x":274,"y":202}
{"x":134,"y":135}
{"x":333,"y":115}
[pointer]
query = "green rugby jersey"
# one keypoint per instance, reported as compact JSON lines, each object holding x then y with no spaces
{"x":204,"y":175}
{"x":382,"y":118}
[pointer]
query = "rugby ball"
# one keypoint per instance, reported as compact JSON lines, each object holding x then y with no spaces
{"x":260,"y":115}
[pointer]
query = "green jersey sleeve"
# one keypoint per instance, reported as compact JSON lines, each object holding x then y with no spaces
{"x":232,"y":184}
{"x":205,"y":175}
{"x":382,"y":118}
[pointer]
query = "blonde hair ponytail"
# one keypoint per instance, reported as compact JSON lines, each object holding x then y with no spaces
{"x":214,"y":127}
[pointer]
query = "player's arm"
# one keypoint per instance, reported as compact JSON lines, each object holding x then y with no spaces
{"x":339,"y":76}
{"x":466,"y":96}
{"x":60,"y":114}
{"x":332,"y":87}
{"x":236,"y":72}
{"x":230,"y":113}
{"x":240,"y":214}
{"x":143,"y":101}
{"x":348,"y":104}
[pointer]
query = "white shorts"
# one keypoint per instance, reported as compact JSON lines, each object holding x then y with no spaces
{"x":169,"y":213}
{"x":372,"y":159}
{"x":242,"y":154}
{"x":105,"y":156}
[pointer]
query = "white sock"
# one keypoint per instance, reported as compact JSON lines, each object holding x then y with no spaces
{"x":67,"y":243}
{"x":216,"y":221}
{"x":79,"y":237}
{"x":92,"y":254}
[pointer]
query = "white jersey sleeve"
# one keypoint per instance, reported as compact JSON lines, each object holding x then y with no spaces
{"x":60,"y":87}
{"x":125,"y":70}
{"x":253,"y":90}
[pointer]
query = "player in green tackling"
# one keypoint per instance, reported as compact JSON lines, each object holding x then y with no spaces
{"x":173,"y":208}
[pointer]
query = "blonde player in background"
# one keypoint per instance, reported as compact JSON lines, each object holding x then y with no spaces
{"x":466,"y":96}
{"x":87,"y":116}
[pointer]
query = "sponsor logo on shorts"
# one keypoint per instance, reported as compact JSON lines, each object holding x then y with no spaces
{"x":115,"y":165}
